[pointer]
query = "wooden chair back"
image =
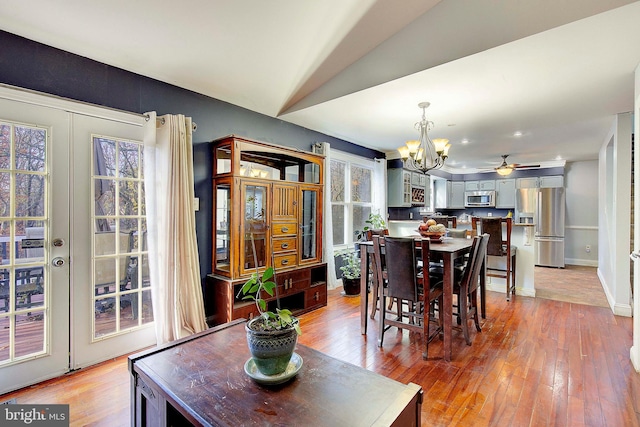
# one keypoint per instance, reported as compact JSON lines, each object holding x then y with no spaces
{"x":471,"y":275}
{"x":379,"y":261}
{"x":467,"y":288}
{"x":402,"y":274}
{"x":499,"y":231}
{"x":447,"y":221}
{"x":378,"y":232}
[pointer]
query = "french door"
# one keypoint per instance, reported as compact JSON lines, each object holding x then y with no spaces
{"x":111,"y":307}
{"x":34,"y":295}
{"x":67,"y":298}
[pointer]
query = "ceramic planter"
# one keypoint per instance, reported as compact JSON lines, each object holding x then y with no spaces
{"x":271,"y":350}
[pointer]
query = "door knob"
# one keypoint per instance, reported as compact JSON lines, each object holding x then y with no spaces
{"x":58,"y":262}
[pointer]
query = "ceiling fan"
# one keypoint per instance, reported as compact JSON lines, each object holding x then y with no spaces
{"x":505,"y":169}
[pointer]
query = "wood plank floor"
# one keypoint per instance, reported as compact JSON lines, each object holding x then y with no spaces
{"x":537,"y":362}
{"x":574,"y":283}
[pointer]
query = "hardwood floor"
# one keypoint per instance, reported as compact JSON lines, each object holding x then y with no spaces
{"x":537,"y":362}
{"x":574,"y":283}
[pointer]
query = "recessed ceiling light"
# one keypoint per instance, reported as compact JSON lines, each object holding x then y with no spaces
{"x":517,"y":133}
{"x":465,"y":141}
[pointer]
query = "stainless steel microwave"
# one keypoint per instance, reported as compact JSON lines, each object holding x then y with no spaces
{"x":479,"y":199}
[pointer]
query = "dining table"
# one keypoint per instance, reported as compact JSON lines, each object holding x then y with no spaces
{"x":447,"y":250}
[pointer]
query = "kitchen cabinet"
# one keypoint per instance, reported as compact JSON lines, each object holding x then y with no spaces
{"x":505,"y":193}
{"x":552,"y":181}
{"x":456,"y":200}
{"x":420,"y":184}
{"x":406,"y":188}
{"x":398,"y":188}
{"x":441,"y":193}
{"x":484,"y":185}
{"x":267,"y":212}
{"x":531,"y":182}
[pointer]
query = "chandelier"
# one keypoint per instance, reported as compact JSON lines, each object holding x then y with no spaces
{"x":425,"y":154}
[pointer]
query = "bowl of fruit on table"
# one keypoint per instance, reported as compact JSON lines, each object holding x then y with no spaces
{"x":434,"y":231}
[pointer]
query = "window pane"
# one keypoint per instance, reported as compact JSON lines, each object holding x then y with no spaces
{"x":337,"y":181}
{"x":104,"y":157}
{"x":5,"y":194}
{"x":337,"y":217}
{"x":360,"y":184}
{"x":128,"y":156}
{"x":29,"y":335}
{"x":29,"y":195}
{"x":360,"y":215}
{"x":30,"y":149}
{"x":5,"y":146}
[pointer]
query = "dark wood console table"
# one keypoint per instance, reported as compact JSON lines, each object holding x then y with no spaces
{"x":200,"y":380}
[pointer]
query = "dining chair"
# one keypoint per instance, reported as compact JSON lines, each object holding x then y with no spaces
{"x":499,"y":230}
{"x":415,"y":294}
{"x":372,"y":281}
{"x":467,"y":287}
{"x":447,"y":221}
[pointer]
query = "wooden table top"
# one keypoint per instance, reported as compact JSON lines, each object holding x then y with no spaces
{"x":206,"y":376}
{"x":449,"y":245}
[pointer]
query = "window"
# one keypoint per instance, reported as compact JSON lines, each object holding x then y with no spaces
{"x":352,"y":196}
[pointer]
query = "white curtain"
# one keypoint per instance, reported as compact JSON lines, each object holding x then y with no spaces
{"x":380,"y":181}
{"x":174,"y":267}
{"x":332,"y":280}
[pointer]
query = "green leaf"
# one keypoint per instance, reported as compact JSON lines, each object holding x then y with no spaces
{"x":248,"y":284}
{"x":268,"y":274}
{"x":262,"y":304}
{"x":285,"y":315}
{"x":269,"y":287}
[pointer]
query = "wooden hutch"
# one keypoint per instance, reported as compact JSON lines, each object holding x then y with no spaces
{"x":267,"y":203}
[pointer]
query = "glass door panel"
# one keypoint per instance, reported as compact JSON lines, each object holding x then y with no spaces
{"x":310,"y":224}
{"x":255,"y":248}
{"x":223,"y":226}
{"x":120,"y":237}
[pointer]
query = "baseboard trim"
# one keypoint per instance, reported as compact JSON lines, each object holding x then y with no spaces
{"x":502,"y":289}
{"x":582,"y":262}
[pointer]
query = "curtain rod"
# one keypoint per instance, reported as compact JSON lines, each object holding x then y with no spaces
{"x":194,"y":125}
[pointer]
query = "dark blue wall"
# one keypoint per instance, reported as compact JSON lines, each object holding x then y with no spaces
{"x":31,"y":65}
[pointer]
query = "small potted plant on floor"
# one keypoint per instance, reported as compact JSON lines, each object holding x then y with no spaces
{"x":350,"y":269}
{"x":271,"y":336}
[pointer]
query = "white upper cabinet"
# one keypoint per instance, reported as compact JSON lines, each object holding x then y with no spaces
{"x":531,"y":182}
{"x":505,"y":193}
{"x":488,"y":184}
{"x":551,"y":181}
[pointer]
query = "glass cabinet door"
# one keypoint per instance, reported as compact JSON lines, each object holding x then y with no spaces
{"x":310,"y":224}
{"x":254,"y":246}
{"x":222,"y":227}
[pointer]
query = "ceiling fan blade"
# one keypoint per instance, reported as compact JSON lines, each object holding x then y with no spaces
{"x":525,"y":166}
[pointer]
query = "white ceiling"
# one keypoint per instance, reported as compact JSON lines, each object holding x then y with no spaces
{"x":357,"y":69}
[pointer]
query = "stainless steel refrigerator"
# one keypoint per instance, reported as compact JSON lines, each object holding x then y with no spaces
{"x":545,"y":207}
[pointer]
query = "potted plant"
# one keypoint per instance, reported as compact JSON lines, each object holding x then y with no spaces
{"x":271,"y":336}
{"x":350,"y":269}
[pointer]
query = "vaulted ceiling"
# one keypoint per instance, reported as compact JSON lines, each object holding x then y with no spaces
{"x":356,"y":69}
